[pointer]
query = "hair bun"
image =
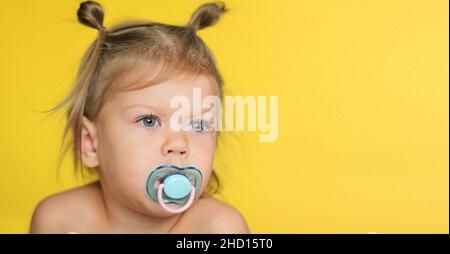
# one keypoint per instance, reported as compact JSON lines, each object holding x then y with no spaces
{"x":91,"y":14}
{"x":206,"y":15}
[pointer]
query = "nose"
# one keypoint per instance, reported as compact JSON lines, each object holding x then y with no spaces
{"x":176,"y":145}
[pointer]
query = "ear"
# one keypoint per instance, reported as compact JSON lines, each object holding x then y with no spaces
{"x":89,"y":155}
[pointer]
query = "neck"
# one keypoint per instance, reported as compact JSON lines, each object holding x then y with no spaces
{"x":120,"y":218}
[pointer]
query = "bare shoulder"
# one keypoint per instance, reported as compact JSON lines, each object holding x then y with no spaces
{"x":62,"y":212}
{"x":217,"y":217}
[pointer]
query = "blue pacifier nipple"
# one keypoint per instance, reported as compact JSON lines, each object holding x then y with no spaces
{"x":177,"y":186}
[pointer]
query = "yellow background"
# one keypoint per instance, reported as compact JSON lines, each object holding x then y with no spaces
{"x":363,"y":108}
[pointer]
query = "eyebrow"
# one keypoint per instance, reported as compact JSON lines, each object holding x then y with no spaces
{"x":151,"y":107}
{"x":157,"y":109}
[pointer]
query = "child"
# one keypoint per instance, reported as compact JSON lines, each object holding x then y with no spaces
{"x":152,"y":178}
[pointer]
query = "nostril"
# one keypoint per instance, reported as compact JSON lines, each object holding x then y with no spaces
{"x":180,"y":152}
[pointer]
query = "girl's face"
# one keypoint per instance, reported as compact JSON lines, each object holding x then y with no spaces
{"x":133,"y":136}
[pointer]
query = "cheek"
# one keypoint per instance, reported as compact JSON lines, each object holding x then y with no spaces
{"x":203,"y":149}
{"x":126,"y":161}
{"x":126,"y":157}
{"x":117,"y":152}
{"x":202,"y":156}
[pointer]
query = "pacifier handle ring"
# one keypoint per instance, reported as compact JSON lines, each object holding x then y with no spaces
{"x":180,"y":210}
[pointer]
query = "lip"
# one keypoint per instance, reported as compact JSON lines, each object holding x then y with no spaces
{"x":175,"y":167}
{"x":180,"y":169}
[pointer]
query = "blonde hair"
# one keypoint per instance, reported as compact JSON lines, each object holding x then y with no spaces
{"x":166,"y":49}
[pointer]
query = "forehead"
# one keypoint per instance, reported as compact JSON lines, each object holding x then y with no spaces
{"x":162,"y":93}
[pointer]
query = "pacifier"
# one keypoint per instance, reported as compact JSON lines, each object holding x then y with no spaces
{"x":168,"y":184}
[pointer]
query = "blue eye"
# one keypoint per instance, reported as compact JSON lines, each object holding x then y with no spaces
{"x":149,"y":121}
{"x":200,"y":126}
